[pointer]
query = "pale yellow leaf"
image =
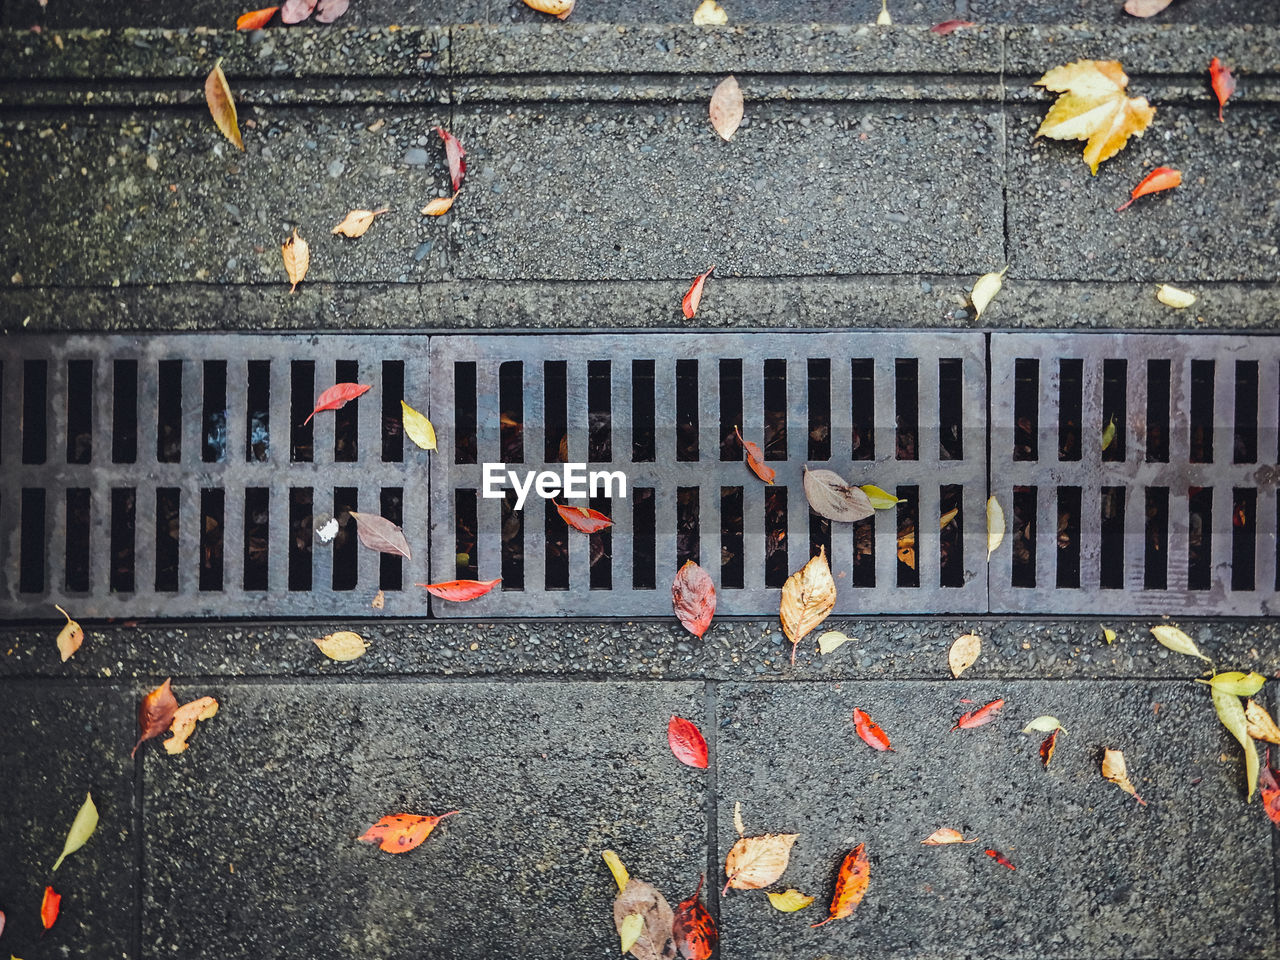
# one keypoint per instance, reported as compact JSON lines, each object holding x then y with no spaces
{"x":1113,"y":769}
{"x":557,"y":8}
{"x":184,"y":722}
{"x":297,"y":258}
{"x":1043,"y":724}
{"x":985,"y":290}
{"x":632,"y":927}
{"x":964,"y":653}
{"x":832,"y":640}
{"x":1108,"y":634}
{"x":1231,"y":713}
{"x":438,"y":206}
{"x":620,"y":875}
{"x":947,"y":518}
{"x":790,"y":902}
{"x":1236,"y":683}
{"x":755,"y":862}
{"x":1173,"y":297}
{"x":710,"y":14}
{"x":343,"y":645}
{"x":1109,"y":433}
{"x":880,"y":499}
{"x":737,"y":818}
{"x":417,"y":427}
{"x":1177,"y":641}
{"x":1259,"y":724}
{"x":808,"y":597}
{"x":726,"y":108}
{"x":995,"y":525}
{"x":945,"y":835}
{"x":70,"y":637}
{"x":82,"y":828}
{"x":1093,"y":107}
{"x":358,"y":221}
{"x":884,"y":19}
{"x":217,"y":93}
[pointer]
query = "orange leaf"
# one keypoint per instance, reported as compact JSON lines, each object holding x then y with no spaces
{"x":459,"y":590}
{"x":1224,"y":83}
{"x":401,"y":832}
{"x":49,"y":907}
{"x":1270,"y":789}
{"x":184,"y":722}
{"x":297,"y":259}
{"x":255,"y":20}
{"x":358,"y":221}
{"x":694,"y":297}
{"x":693,"y":597}
{"x":755,"y":459}
{"x":1046,"y":748}
{"x":1161,"y":178}
{"x":870,"y":731}
{"x":999,"y":858}
{"x":439,"y":206}
{"x":156,"y":713}
{"x":337,"y":397}
{"x":70,"y":637}
{"x":851,"y":884}
{"x":217,"y":93}
{"x":976,"y":718}
{"x":583,"y":519}
{"x":694,"y":928}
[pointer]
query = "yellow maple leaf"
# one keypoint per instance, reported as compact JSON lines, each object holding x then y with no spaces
{"x":1093,"y":107}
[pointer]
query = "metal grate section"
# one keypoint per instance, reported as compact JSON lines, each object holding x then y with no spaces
{"x":905,"y":411}
{"x":173,"y":475}
{"x":1176,"y":514}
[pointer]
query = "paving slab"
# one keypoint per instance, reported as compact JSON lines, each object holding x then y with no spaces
{"x":279,"y":785}
{"x":62,"y":741}
{"x":1097,"y":875}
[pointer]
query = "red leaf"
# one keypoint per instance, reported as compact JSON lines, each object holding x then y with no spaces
{"x":870,"y":731}
{"x":693,"y":596}
{"x":583,"y":518}
{"x":49,"y":907}
{"x":456,"y":156}
{"x":255,"y":20}
{"x":155,"y":713}
{"x":694,"y":928}
{"x":976,"y":718}
{"x":337,"y":397}
{"x":686,"y":743}
{"x":999,"y":858}
{"x":1224,"y":84}
{"x":379,"y":533}
{"x":755,"y":459}
{"x":459,"y":590}
{"x":1046,"y":748}
{"x":1270,"y":790}
{"x":694,"y":297}
{"x":1,"y":921}
{"x":1161,"y":178}
{"x":950,"y":26}
{"x":401,"y":832}
{"x":851,"y":884}
{"x":295,"y":11}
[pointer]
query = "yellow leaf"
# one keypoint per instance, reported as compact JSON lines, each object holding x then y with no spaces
{"x":417,"y":427}
{"x":297,"y":258}
{"x":343,"y":645}
{"x":1093,"y":107}
{"x":1113,"y":769}
{"x":620,"y":875}
{"x":755,"y":862}
{"x":70,"y":637}
{"x":790,"y":902}
{"x":808,"y":597}
{"x":184,"y":722}
{"x":632,"y":927}
{"x":985,"y":290}
{"x":1109,"y":433}
{"x":710,"y":14}
{"x":884,"y":19}
{"x":880,"y":499}
{"x":1108,"y":634}
{"x":557,"y":8}
{"x":964,"y":653}
{"x":737,"y":818}
{"x":358,"y":221}
{"x":1232,"y":715}
{"x":1236,"y":683}
{"x":947,"y":518}
{"x":831,"y":641}
{"x":726,"y":108}
{"x":945,"y":835}
{"x":1177,"y":641}
{"x":438,"y":206}
{"x":82,"y":828}
{"x":995,"y":525}
{"x":1259,"y":724}
{"x":217,"y":92}
{"x":1044,"y":724}
{"x":1173,"y":297}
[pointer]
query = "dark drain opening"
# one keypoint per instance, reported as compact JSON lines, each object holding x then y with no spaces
{"x":257,"y":538}
{"x":345,"y":543}
{"x":80,"y":402}
{"x":257,"y":440}
{"x":1199,"y":538}
{"x":123,"y":516}
{"x":35,"y":386}
{"x":215,"y":411}
{"x":76,"y":564}
{"x":169,"y":412}
{"x":168,"y":502}
{"x":124,"y":411}
{"x":1158,"y":383}
{"x":1068,"y":553}
{"x":32,"y":544}
{"x":1111,"y":573}
{"x":1244,"y":537}
{"x":1155,"y":574}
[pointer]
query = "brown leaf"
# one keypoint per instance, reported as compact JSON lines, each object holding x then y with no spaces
{"x":297,"y":258}
{"x":1145,"y":8}
{"x":726,"y":108}
{"x":654,"y":942}
{"x":358,"y":221}
{"x":379,"y":533}
{"x":439,"y":206}
{"x":964,"y":653}
{"x":693,"y":596}
{"x":70,"y":637}
{"x":1113,"y":769}
{"x":755,"y":459}
{"x":808,"y":597}
{"x":755,"y":862}
{"x":829,"y":496}
{"x":1260,"y":725}
{"x":945,"y":835}
{"x":217,"y":92}
{"x":184,"y":722}
{"x":155,"y":713}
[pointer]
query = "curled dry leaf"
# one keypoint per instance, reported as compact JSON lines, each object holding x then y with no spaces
{"x":710,"y":14}
{"x":1224,"y":84}
{"x":1046,"y":748}
{"x":870,"y":732}
{"x":380,"y":534}
{"x":460,"y":590}
{"x":82,"y":828}
{"x":1258,"y":723}
{"x":980,"y":717}
{"x":1172,"y":296}
{"x":641,"y":899}
{"x":256,"y":19}
{"x":560,"y":9}
{"x":1093,"y":107}
{"x":995,"y":525}
{"x":401,"y":832}
{"x":694,"y":929}
{"x":790,"y":901}
{"x":1236,"y":683}
{"x":583,"y":519}
{"x":297,"y":259}
{"x":755,"y":862}
{"x":948,"y":517}
{"x":1113,"y":769}
{"x":1231,"y":713}
{"x":830,"y":497}
{"x":950,"y":26}
{"x":1000,"y":858}
{"x":343,"y":645}
{"x":217,"y":93}
{"x":358,"y":221}
{"x":726,"y":108}
{"x":945,"y":835}
{"x":985,"y":290}
{"x":455,"y":155}
{"x":879,"y":499}
{"x":328,"y":11}
{"x":439,"y":206}
{"x":1044,"y":724}
{"x":417,"y":427}
{"x":851,"y":884}
{"x":620,"y":875}
{"x":693,"y":597}
{"x":689,"y":305}
{"x":155,"y":713}
{"x":808,"y":597}
{"x":49,"y":906}
{"x":1161,"y":178}
{"x":69,"y":637}
{"x":184,"y":722}
{"x":831,"y":641}
{"x":964,"y":653}
{"x":1177,"y":641}
{"x":755,"y":459}
{"x":337,"y":397}
{"x":1145,"y":8}
{"x":295,"y":11}
{"x":687,"y":743}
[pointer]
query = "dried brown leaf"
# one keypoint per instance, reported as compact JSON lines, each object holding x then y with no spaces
{"x":358,"y":221}
{"x":640,"y":898}
{"x":1259,"y":724}
{"x":184,"y":722}
{"x":726,"y":108}
{"x":439,"y":206}
{"x":155,"y":713}
{"x":297,"y":258}
{"x":831,"y":497}
{"x":217,"y":93}
{"x":70,"y":637}
{"x":379,"y":533}
{"x":808,"y":597}
{"x":964,"y":653}
{"x":755,"y":862}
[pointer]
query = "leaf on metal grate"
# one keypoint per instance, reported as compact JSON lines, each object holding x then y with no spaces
{"x":870,"y":731}
{"x":1231,"y":713}
{"x":1114,"y":769}
{"x":851,"y":884}
{"x":689,"y":305}
{"x":337,"y":397}
{"x":693,"y":597}
{"x":155,"y":713}
{"x":1177,"y":641}
{"x":808,"y":597}
{"x":455,"y":155}
{"x":1109,"y":433}
{"x":726,"y":108}
{"x":583,"y":519}
{"x":82,"y":828}
{"x":879,"y":499}
{"x":995,"y":525}
{"x":981,"y":716}
{"x":687,"y":743}
{"x":217,"y":93}
{"x":438,"y":206}
{"x":49,"y":906}
{"x":358,"y":221}
{"x":295,"y":11}
{"x":1172,"y":296}
{"x":401,"y":832}
{"x":343,"y":645}
{"x":417,"y":427}
{"x":69,"y":637}
{"x":1092,"y":106}
{"x":790,"y":901}
{"x":641,"y":899}
{"x":945,"y":835}
{"x":328,"y":11}
{"x":560,"y":9}
{"x":379,"y":533}
{"x":256,"y":19}
{"x":964,"y":653}
{"x":297,"y":259}
{"x":460,"y":590}
{"x":1145,"y":8}
{"x":710,"y":14}
{"x":755,"y":862}
{"x":1259,"y":724}
{"x":184,"y":722}
{"x":755,"y":459}
{"x":1161,"y":178}
{"x":1224,"y":84}
{"x":831,"y":497}
{"x":694,"y":929}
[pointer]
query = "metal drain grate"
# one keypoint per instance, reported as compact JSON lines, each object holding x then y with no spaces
{"x":1178,"y":513}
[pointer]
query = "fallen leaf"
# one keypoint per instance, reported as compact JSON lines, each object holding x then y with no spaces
{"x":343,"y":645}
{"x":2,"y":929}
{"x":295,"y":11}
{"x":1177,"y":641}
{"x":1173,"y":297}
{"x":82,"y":828}
{"x":380,"y":534}
{"x":947,"y":517}
{"x":217,"y":93}
{"x":737,"y":818}
{"x":49,"y":906}
{"x":907,"y":549}
{"x":884,"y":20}
{"x":1231,"y":713}
{"x":255,"y":20}
{"x":379,"y":600}
{"x":337,"y":397}
{"x":1109,"y":433}
{"x":790,"y":901}
{"x":879,"y":499}
{"x":1113,"y":769}
{"x":851,"y":884}
{"x":693,"y":597}
{"x":1043,"y":724}
{"x":755,"y":862}
{"x":1270,"y":790}
{"x":184,"y":722}
{"x":686,"y":743}
{"x":945,"y":835}
{"x":1224,"y":84}
{"x":620,"y":875}
{"x":831,"y":641}
{"x":638,"y":898}
{"x":328,"y":11}
{"x":983,"y":715}
{"x":726,"y":108}
{"x":985,"y":290}
{"x":460,"y":590}
{"x":999,"y":858}
{"x":454,"y":154}
{"x":870,"y":732}
{"x":297,"y":258}
{"x":755,"y":459}
{"x":155,"y":713}
{"x":1161,"y":178}
{"x":1109,"y":635}
{"x":1259,"y":724}
{"x":557,"y":8}
{"x":694,"y":928}
{"x":1093,"y":107}
{"x":689,"y":305}
{"x":1145,"y":8}
{"x":808,"y":597}
{"x":439,"y":206}
{"x":1046,"y":748}
{"x":950,"y":26}
{"x":69,"y":637}
{"x":629,"y":932}
{"x":417,"y":427}
{"x":995,"y":525}
{"x":358,"y":221}
{"x":583,"y":519}
{"x":830,"y":497}
{"x":964,"y":653}
{"x":401,"y":832}
{"x":710,"y":14}
{"x":1236,"y":683}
